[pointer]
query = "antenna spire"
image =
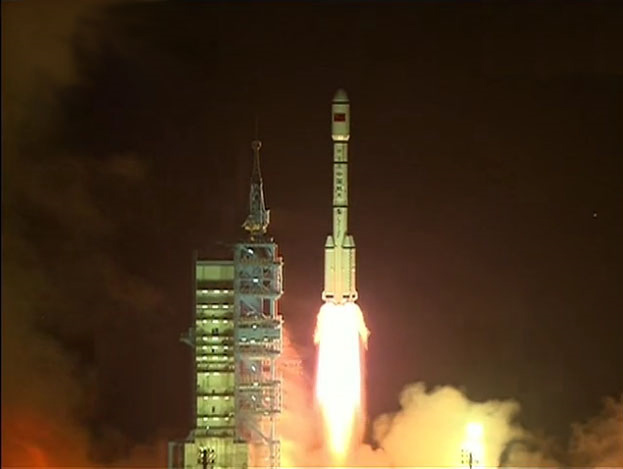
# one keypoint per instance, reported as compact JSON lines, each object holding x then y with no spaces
{"x":259,"y":217}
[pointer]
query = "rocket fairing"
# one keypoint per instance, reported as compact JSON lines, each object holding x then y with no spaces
{"x":339,"y":250}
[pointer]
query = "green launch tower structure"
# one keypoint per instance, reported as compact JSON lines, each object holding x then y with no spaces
{"x":237,"y":338}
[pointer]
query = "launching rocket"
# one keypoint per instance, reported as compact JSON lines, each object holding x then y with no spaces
{"x":339,"y":250}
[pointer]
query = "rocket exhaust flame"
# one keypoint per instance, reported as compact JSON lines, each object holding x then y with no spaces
{"x":340,"y":334}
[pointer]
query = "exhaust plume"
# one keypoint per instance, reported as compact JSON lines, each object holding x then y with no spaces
{"x":341,"y":335}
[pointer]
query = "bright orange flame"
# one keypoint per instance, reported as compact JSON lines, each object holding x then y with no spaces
{"x":340,"y":332}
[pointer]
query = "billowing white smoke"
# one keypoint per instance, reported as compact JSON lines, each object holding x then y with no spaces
{"x":599,"y":441}
{"x":430,"y":429}
{"x":300,"y":424}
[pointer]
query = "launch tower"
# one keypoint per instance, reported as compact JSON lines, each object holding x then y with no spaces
{"x":237,"y":338}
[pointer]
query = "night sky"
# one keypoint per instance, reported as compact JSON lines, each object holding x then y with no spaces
{"x":486,"y":193}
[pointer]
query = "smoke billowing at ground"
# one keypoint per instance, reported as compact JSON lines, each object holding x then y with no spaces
{"x":433,"y":426}
{"x":486,"y":206}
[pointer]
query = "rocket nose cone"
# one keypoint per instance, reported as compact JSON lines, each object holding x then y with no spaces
{"x":340,"y":96}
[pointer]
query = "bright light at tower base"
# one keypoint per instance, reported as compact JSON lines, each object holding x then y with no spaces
{"x":472,"y":452}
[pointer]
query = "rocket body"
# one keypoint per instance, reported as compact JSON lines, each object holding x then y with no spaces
{"x":339,"y":251}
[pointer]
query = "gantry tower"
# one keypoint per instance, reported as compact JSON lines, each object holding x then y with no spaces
{"x":236,"y":338}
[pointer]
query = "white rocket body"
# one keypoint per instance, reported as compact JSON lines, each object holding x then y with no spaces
{"x":339,"y":250}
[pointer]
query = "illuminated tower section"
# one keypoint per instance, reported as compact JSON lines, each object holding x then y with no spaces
{"x":215,"y":445}
{"x":212,"y":442}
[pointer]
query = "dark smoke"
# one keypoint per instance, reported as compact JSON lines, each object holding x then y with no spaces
{"x":79,"y":327}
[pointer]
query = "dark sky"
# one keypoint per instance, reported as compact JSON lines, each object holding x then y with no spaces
{"x":486,"y":189}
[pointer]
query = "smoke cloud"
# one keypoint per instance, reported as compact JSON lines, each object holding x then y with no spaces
{"x":430,"y":430}
{"x":65,"y":298}
{"x":599,"y":441}
{"x":300,"y":423}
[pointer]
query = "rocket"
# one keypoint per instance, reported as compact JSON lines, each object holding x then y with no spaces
{"x":339,"y":250}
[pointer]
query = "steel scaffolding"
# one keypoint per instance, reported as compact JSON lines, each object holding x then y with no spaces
{"x":258,"y":342}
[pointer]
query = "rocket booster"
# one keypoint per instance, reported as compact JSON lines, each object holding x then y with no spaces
{"x":339,"y":250}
